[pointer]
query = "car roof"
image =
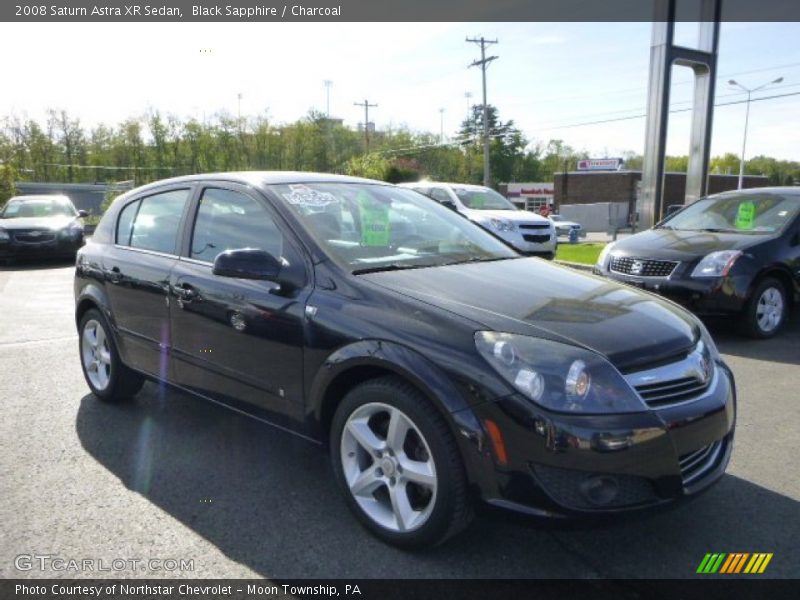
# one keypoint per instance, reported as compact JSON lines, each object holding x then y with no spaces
{"x":257,"y":178}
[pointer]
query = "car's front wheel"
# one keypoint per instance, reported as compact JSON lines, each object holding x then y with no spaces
{"x":398,"y":464}
{"x":105,"y":374}
{"x":766,"y":310}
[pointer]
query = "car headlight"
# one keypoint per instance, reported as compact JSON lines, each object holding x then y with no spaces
{"x":708,"y":342}
{"x":716,"y":264}
{"x":502,"y":225}
{"x":603,"y":257}
{"x":4,"y":237}
{"x":74,"y":229}
{"x":558,"y":376}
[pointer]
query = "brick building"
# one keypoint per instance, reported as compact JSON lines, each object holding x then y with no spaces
{"x":591,"y":187}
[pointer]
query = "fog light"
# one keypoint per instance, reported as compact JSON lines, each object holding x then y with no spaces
{"x":600,"y":490}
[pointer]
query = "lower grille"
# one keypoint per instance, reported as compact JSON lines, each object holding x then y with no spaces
{"x":568,"y":488}
{"x":644,"y":267}
{"x":34,"y":236}
{"x":696,"y":464}
{"x":534,"y":226}
{"x":536,"y":239}
{"x":671,"y":392}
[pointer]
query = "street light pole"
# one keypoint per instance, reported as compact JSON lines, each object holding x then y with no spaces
{"x":483,"y":63}
{"x":441,"y":125}
{"x":748,"y":91}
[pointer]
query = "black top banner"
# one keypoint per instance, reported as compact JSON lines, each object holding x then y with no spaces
{"x":389,"y":10}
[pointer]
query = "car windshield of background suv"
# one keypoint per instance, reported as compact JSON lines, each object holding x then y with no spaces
{"x":757,"y":213}
{"x":367,"y":226}
{"x":37,"y":208}
{"x":483,"y":199}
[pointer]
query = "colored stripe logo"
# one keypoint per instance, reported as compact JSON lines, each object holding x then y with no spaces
{"x":735,"y":562}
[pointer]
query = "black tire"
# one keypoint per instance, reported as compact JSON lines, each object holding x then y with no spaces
{"x":750,"y":324}
{"x":123,"y":383}
{"x":451,"y":508}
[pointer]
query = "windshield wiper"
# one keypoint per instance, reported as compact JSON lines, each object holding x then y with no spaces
{"x":390,"y":267}
{"x":473,"y":259}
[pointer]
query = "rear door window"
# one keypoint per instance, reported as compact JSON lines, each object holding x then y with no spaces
{"x":158,"y":220}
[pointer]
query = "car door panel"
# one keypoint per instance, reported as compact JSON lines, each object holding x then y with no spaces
{"x":238,"y":341}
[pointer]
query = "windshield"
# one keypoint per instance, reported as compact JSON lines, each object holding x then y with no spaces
{"x":371,"y":227}
{"x":752,"y":213}
{"x":483,"y":199}
{"x":37,"y":207}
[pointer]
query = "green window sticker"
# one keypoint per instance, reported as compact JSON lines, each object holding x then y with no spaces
{"x":477,"y":202}
{"x":374,"y":222}
{"x":745,"y":215}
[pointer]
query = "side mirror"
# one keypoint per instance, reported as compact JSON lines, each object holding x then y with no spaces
{"x":82,"y":214}
{"x":248,"y":263}
{"x":449,"y":204}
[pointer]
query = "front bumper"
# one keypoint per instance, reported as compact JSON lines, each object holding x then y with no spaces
{"x":702,"y":296}
{"x":57,"y":247}
{"x":562,"y":465}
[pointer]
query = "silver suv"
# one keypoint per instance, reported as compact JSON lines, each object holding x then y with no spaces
{"x":527,"y":232}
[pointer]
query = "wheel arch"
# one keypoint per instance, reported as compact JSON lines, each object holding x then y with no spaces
{"x":783,"y":275}
{"x":369,"y":359}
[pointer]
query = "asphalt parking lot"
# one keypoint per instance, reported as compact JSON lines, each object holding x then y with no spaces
{"x":169,"y":476}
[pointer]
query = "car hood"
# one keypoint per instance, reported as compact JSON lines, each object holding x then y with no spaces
{"x":680,"y":245}
{"x":533,"y":297}
{"x":518,"y":216}
{"x":36,"y":222}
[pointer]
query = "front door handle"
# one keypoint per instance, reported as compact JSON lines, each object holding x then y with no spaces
{"x":114,"y":275}
{"x":185,"y":292}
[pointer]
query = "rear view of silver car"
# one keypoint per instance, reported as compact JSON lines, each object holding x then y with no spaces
{"x":527,"y":232}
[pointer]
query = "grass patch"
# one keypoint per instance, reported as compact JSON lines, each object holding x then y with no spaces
{"x":585,"y":253}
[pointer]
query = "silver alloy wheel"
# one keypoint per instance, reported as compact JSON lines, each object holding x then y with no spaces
{"x":388,"y":466}
{"x":96,"y":354}
{"x":769,"y":310}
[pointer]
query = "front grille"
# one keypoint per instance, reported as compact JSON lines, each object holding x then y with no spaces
{"x":696,"y":464}
{"x":34,"y":236}
{"x":534,"y":226}
{"x":643,"y":267}
{"x":536,"y":239}
{"x":671,"y":392}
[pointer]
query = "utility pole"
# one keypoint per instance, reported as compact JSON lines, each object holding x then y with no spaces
{"x":483,"y":63}
{"x":749,"y":91}
{"x":366,"y":106}
{"x":441,"y":125}
{"x":328,"y":83}
{"x":239,"y":110}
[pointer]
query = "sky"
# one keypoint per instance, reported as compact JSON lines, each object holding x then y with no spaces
{"x":552,"y":79}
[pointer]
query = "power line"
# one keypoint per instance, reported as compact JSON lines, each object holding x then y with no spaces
{"x":678,"y":110}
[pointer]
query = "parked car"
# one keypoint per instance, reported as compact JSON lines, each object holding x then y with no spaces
{"x":527,"y":232}
{"x":438,"y":366}
{"x":40,"y":226}
{"x":563,"y":227}
{"x":735,"y":253}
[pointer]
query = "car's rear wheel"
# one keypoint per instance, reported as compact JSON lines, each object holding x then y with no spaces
{"x":766,"y":310}
{"x":398,"y":464}
{"x":107,"y":377}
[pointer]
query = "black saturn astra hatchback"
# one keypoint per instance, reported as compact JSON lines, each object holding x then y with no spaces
{"x":439,"y":366}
